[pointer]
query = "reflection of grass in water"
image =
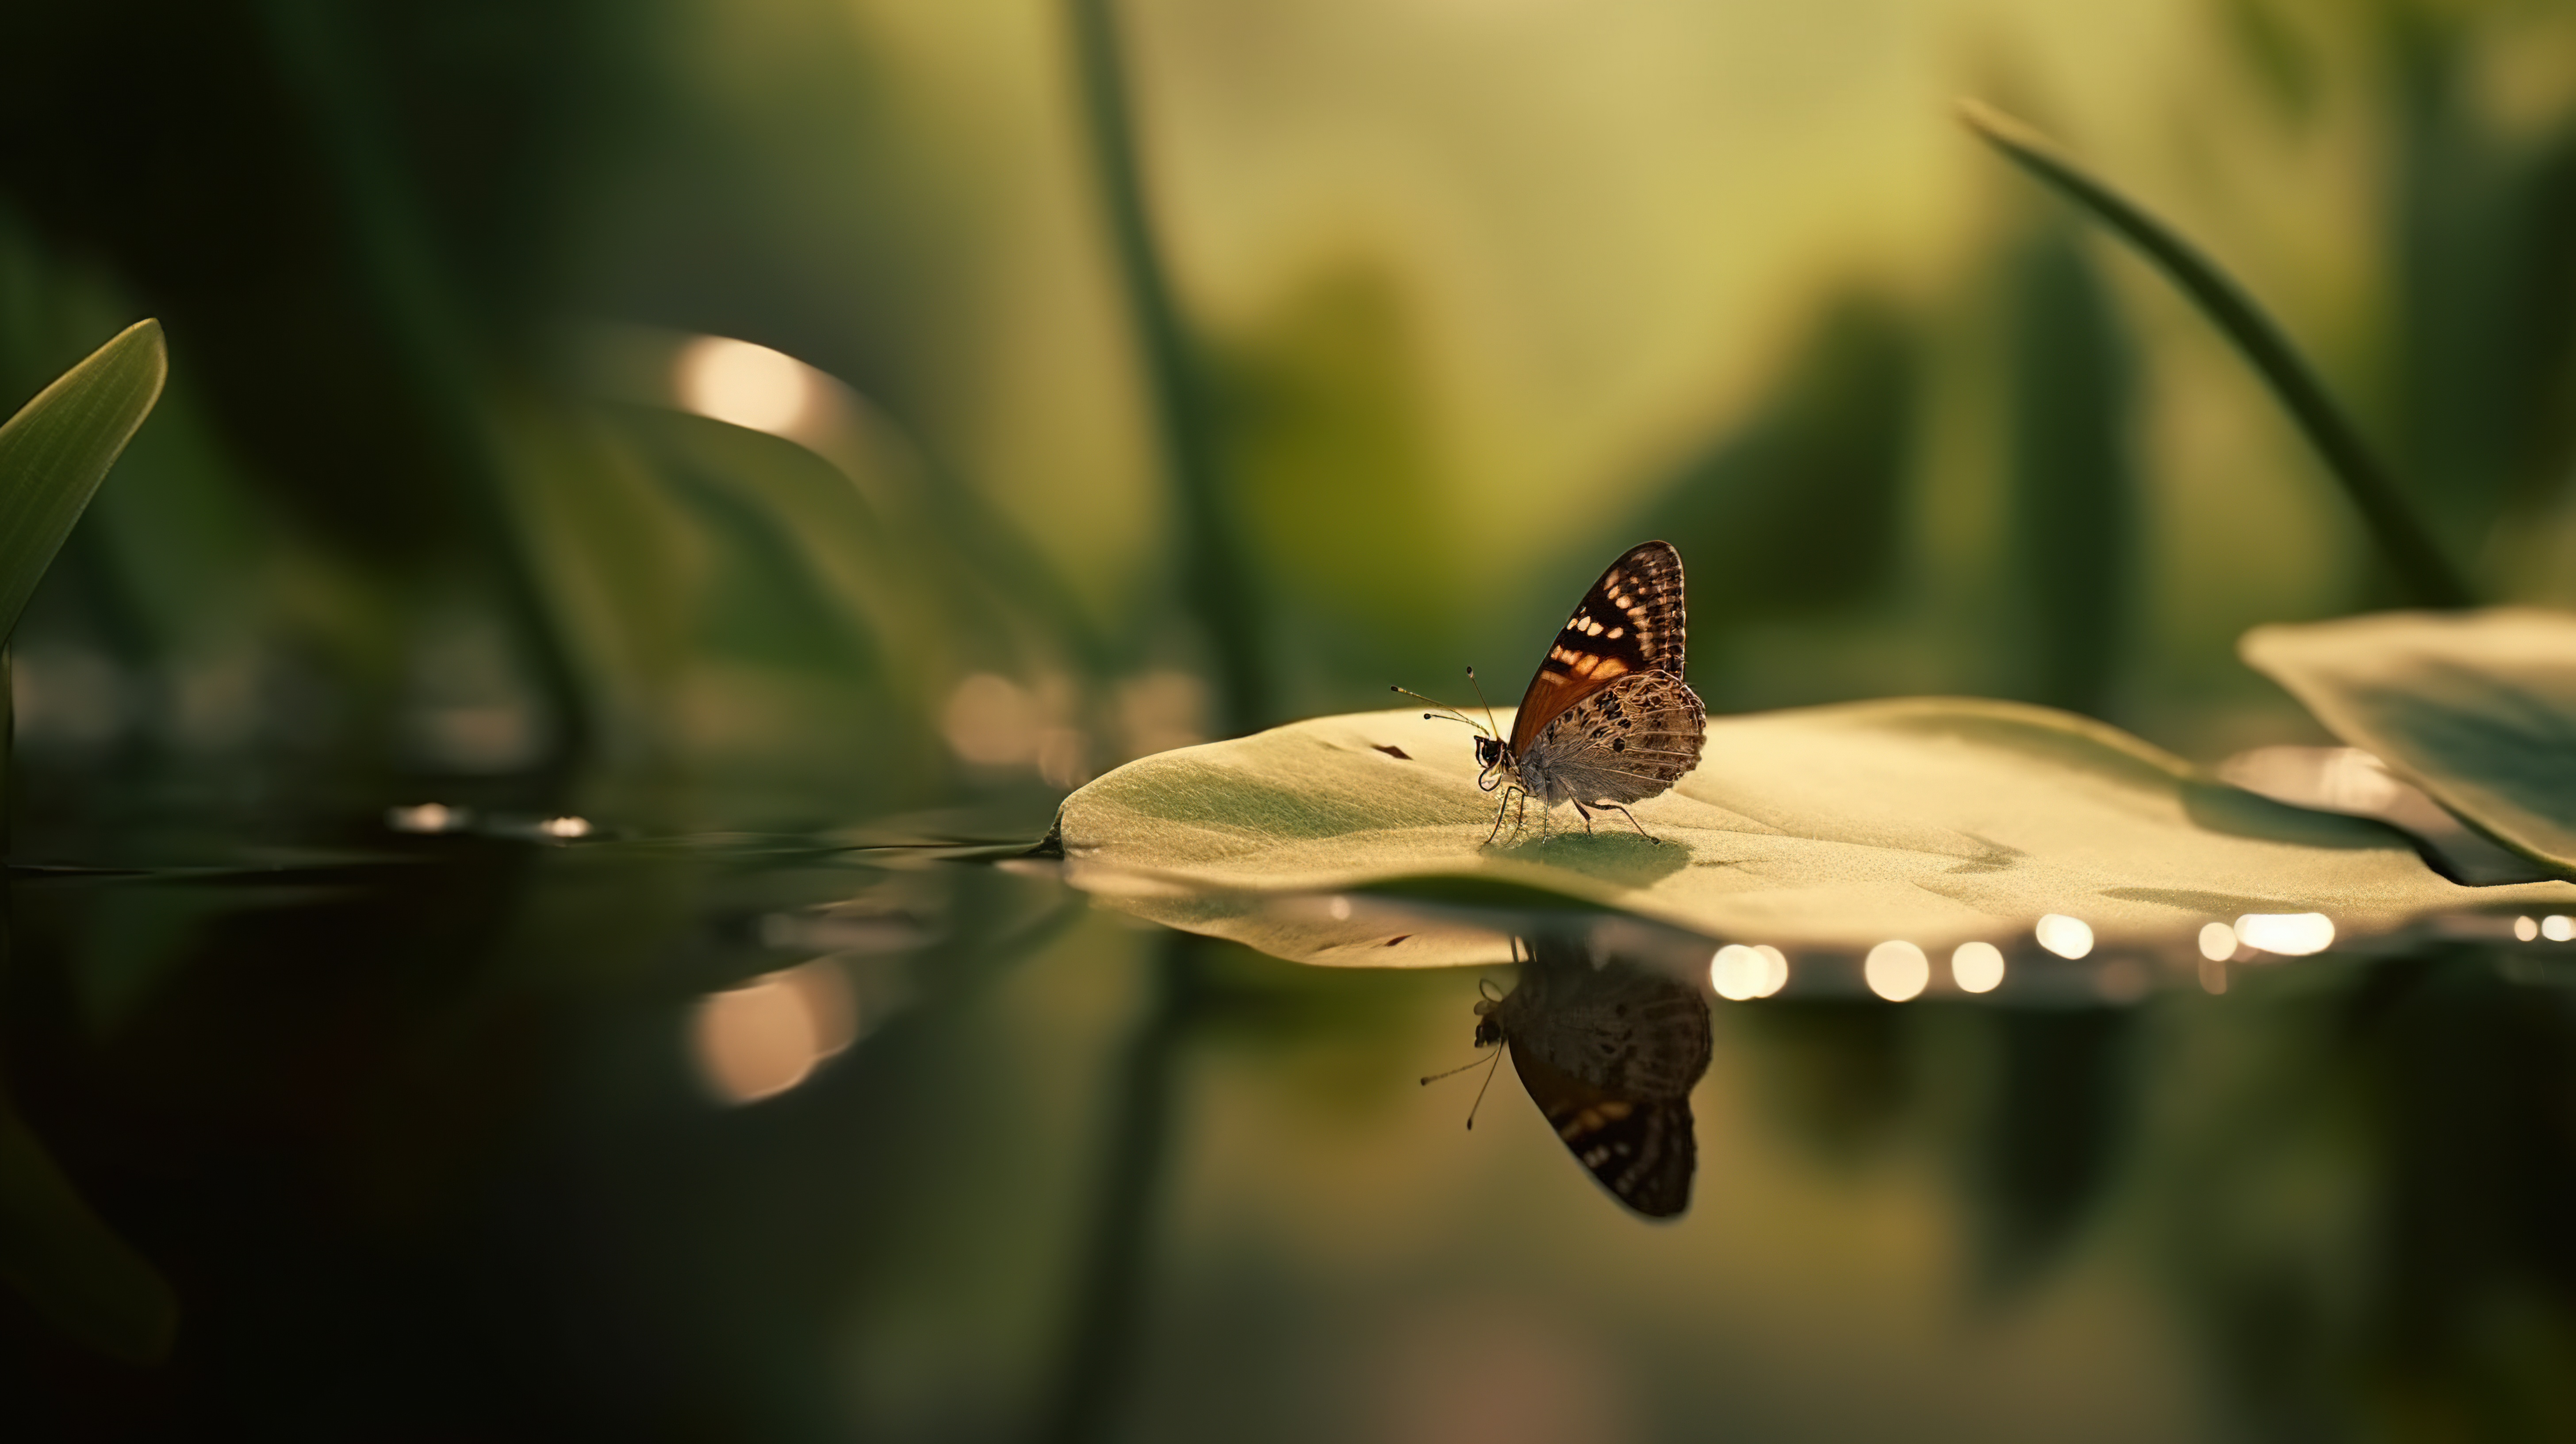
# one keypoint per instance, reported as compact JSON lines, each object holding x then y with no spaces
{"x":1104,"y":1324}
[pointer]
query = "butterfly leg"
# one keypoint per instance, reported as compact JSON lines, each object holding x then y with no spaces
{"x":1587,"y":818}
{"x":1632,"y":822}
{"x":1499,"y":811}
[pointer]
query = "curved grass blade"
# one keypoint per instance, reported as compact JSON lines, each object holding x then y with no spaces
{"x":54,"y":1252}
{"x":2414,"y":558}
{"x":57,"y":449}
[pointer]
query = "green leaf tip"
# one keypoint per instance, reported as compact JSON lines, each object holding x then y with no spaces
{"x":2476,"y":708}
{"x":58,"y":448}
{"x":2413,"y":557}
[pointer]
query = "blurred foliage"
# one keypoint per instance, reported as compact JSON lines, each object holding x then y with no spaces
{"x":2073,"y":477}
{"x":420,"y":195}
{"x":1802,"y":509}
{"x":1456,"y":299}
{"x":1329,"y":423}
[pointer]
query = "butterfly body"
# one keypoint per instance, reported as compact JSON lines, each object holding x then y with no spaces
{"x":1610,"y":1055}
{"x":1607,"y":719}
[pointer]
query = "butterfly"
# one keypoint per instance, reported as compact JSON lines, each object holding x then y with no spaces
{"x":1607,"y":719}
{"x":1610,"y":1055}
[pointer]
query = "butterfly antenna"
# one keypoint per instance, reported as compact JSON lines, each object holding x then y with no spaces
{"x":1429,"y":1078}
{"x":1480,"y":696}
{"x":1490,"y":1070}
{"x":1452,"y":713}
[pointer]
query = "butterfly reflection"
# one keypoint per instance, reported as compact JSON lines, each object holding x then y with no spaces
{"x":1609,"y":1052}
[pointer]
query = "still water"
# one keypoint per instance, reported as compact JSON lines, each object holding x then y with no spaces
{"x":482,"y":1122}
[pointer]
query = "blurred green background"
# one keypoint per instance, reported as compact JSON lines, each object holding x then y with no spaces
{"x":466,"y":490}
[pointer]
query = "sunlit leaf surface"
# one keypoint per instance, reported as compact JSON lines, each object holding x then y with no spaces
{"x":57,"y":449}
{"x":1934,"y":821}
{"x":2476,"y":708}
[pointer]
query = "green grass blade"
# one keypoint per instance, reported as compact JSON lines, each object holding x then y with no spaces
{"x":57,"y":449}
{"x":2412,"y":555}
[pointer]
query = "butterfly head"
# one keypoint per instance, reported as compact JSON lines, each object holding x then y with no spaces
{"x":1490,"y":752}
{"x":1489,"y":1029}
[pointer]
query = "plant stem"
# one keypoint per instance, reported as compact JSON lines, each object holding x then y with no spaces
{"x":2413,"y":557}
{"x":1106,"y":1321}
{"x":424,"y":318}
{"x":1215,"y":575}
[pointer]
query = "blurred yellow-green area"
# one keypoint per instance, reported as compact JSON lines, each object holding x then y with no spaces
{"x":746,"y":419}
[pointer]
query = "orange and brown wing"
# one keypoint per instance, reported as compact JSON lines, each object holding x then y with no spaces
{"x":1631,"y":621}
{"x":1641,"y":1149}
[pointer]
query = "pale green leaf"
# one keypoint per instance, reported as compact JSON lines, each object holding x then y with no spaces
{"x":1936,"y":821}
{"x":2476,"y":708}
{"x":57,"y":449}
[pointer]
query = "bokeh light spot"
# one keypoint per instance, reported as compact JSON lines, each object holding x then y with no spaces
{"x":1977,"y":967}
{"x":1896,"y":971}
{"x":2067,"y":937}
{"x":1776,"y":968}
{"x":428,"y":818}
{"x":992,"y":722}
{"x":1739,"y":973}
{"x":761,"y":1039}
{"x":747,"y":385}
{"x":2292,"y":935}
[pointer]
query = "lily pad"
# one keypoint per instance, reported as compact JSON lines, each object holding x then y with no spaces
{"x":2476,"y":708}
{"x":1936,"y":821}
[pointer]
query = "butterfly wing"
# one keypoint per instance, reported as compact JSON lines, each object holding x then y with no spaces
{"x":1620,"y":1028}
{"x":1630,"y":622}
{"x":1642,"y":1150}
{"x":1624,"y":742}
{"x":1610,"y":1056}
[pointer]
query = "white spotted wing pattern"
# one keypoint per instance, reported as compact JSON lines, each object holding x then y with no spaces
{"x":1608,"y":719}
{"x":1610,"y":1055}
